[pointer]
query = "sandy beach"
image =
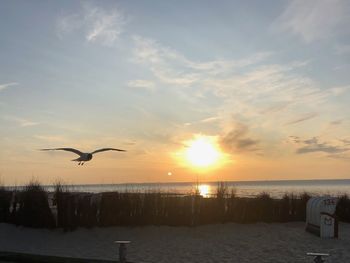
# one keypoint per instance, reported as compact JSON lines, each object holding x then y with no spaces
{"x":261,"y":242}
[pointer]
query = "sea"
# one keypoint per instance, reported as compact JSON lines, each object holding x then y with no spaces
{"x":275,"y":189}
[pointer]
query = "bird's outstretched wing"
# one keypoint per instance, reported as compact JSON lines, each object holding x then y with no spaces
{"x":65,"y":149}
{"x":107,"y":149}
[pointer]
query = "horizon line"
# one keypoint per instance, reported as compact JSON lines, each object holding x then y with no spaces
{"x":192,"y":182}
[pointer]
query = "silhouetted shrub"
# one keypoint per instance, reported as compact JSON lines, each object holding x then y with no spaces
{"x":301,"y":207}
{"x":343,"y":208}
{"x":34,"y":210}
{"x":109,"y":209}
{"x":66,"y":203}
{"x":264,"y":207}
{"x":221,"y":198}
{"x":86,"y":211}
{"x":5,"y":204}
{"x":284,"y":209}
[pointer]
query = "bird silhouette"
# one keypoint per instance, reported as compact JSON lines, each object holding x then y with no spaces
{"x":83,"y":157}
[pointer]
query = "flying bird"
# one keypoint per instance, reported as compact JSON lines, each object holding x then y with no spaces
{"x":83,"y":157}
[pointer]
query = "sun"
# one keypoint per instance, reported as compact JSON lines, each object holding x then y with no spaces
{"x":202,"y":152}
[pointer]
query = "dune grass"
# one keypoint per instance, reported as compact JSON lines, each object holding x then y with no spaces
{"x":71,"y":209}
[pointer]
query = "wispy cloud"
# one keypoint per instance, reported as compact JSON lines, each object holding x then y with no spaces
{"x":97,"y":24}
{"x":232,"y":79}
{"x":314,"y":145}
{"x":302,"y":118}
{"x":6,"y":85}
{"x":170,"y":66}
{"x":275,"y":82}
{"x":51,"y":138}
{"x":257,"y":93}
{"x":237,"y":140}
{"x":339,"y":90}
{"x":314,"y":19}
{"x":336,"y":122}
{"x":210,"y":120}
{"x":346,"y":141}
{"x":21,"y":121}
{"x":141,"y":83}
{"x":277,"y":107}
{"x":340,"y":156}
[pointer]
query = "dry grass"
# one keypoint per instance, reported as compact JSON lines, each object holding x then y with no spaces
{"x":150,"y":208}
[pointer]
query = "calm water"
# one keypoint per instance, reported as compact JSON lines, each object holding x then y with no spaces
{"x":248,"y":188}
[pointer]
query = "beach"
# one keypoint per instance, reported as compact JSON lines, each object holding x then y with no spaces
{"x":261,"y":242}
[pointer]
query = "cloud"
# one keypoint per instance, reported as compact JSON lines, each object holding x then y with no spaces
{"x":244,"y":82}
{"x":141,"y":83}
{"x":171,"y":67}
{"x":130,"y":143}
{"x":97,"y":24}
{"x":266,"y":85}
{"x":275,"y":108}
{"x":340,"y":156}
{"x":314,"y":19}
{"x":237,"y":140}
{"x":321,"y":148}
{"x":20,"y":121}
{"x":346,"y":141}
{"x":209,"y":120}
{"x":305,"y":117}
{"x":336,"y":91}
{"x":51,"y":138}
{"x":257,"y":93}
{"x":165,"y":63}
{"x":314,"y":145}
{"x":26,"y":123}
{"x":295,"y":139}
{"x":336,"y":122}
{"x":232,"y":79}
{"x":6,"y":85}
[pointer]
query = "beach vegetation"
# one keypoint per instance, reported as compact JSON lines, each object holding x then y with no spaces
{"x":69,"y":210}
{"x":34,"y":209}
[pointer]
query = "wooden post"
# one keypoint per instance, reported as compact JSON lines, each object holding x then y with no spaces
{"x":122,"y":250}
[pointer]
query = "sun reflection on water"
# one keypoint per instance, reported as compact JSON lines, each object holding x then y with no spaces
{"x":204,"y":190}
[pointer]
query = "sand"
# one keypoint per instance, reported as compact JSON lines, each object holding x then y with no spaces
{"x":212,"y":243}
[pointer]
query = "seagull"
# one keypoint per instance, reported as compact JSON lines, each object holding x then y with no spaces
{"x":83,"y":157}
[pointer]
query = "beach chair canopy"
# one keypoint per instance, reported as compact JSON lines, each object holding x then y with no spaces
{"x":320,"y":216}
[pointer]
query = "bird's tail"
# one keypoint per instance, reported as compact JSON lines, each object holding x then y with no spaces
{"x":75,"y":160}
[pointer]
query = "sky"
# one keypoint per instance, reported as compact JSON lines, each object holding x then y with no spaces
{"x":266,"y":82}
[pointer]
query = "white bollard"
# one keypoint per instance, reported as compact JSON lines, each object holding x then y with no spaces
{"x":122,"y":250}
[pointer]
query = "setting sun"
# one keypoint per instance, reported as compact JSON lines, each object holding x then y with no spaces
{"x":202,"y":152}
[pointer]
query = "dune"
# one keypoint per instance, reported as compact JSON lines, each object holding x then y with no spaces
{"x":287,"y":242}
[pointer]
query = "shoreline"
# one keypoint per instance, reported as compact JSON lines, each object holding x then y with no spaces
{"x":275,"y":188}
{"x":312,"y":181}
